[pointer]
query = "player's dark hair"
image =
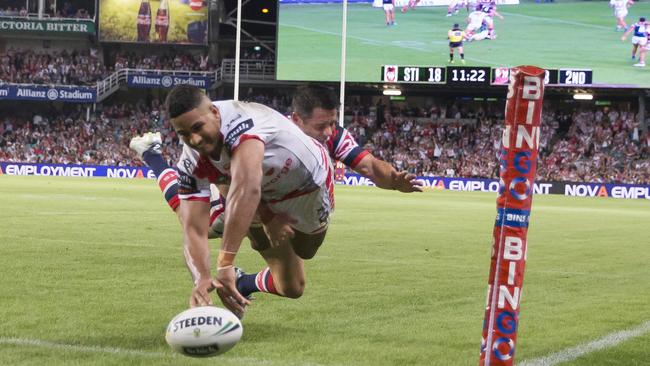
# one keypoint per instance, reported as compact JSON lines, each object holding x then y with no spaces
{"x":182,"y":99}
{"x":642,"y":19}
{"x":309,"y":97}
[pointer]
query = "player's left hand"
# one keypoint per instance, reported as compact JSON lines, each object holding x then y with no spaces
{"x":225,"y":282}
{"x":406,"y":182}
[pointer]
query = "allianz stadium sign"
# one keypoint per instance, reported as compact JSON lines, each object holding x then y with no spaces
{"x":48,"y":93}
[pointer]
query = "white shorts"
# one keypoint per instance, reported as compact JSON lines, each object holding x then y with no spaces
{"x":641,"y":41}
{"x":489,"y":21}
{"x":388,"y":7}
{"x":311,"y":211}
{"x":620,"y":13}
{"x":472,"y":27}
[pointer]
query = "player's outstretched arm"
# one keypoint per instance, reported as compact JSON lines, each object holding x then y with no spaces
{"x":194,"y":218}
{"x":385,"y":176}
{"x":241,"y":204}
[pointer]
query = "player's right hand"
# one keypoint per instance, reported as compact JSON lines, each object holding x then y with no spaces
{"x":201,"y":293}
{"x":225,"y":284}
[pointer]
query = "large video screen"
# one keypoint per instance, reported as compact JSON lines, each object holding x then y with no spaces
{"x":149,"y":21}
{"x":577,"y":41}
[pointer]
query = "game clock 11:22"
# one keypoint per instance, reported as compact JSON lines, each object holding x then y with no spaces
{"x":468,"y":75}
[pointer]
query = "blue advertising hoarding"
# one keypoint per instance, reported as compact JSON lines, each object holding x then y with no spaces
{"x":575,"y":189}
{"x":153,"y":80}
{"x":48,"y":93}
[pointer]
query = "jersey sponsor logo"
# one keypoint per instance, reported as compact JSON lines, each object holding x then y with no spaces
{"x":238,"y":131}
{"x":188,"y":165}
{"x":186,"y":184}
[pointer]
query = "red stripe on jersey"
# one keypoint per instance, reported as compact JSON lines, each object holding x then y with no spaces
{"x":243,"y":138}
{"x":205,"y":170}
{"x":196,"y":198}
{"x":215,"y":215}
{"x":174,"y":202}
{"x":357,"y":160}
{"x":294,"y":194}
{"x":168,"y":177}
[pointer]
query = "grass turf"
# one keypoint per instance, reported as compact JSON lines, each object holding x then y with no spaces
{"x":401,"y":279}
{"x":560,"y":35}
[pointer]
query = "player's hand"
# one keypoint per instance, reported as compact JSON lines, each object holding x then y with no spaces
{"x":623,"y":39}
{"x":279,"y":230}
{"x":201,"y":293}
{"x":406,"y":182}
{"x":227,"y":291}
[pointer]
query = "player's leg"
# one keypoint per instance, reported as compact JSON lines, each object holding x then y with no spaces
{"x":284,"y":274}
{"x":451,"y":54}
{"x":387,"y":14}
{"x":148,"y":147}
{"x":462,"y":54}
{"x":634,"y":49}
{"x":392,"y":16}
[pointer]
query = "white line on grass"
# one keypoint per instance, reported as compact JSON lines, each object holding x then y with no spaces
{"x":130,"y":352}
{"x":376,"y":42}
{"x":609,"y":341}
{"x":555,"y":20}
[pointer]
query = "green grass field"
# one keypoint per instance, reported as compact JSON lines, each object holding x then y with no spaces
{"x":564,"y":35}
{"x":91,"y":268}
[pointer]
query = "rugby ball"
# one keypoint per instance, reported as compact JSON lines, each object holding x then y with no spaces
{"x":204,"y":331}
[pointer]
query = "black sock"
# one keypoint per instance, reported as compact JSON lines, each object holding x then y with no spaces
{"x":462,"y":56}
{"x":155,"y":161}
{"x":451,"y":56}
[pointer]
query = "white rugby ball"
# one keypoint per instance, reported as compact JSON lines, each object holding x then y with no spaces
{"x":204,"y":331}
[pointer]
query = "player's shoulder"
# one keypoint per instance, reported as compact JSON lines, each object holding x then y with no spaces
{"x":188,"y":160}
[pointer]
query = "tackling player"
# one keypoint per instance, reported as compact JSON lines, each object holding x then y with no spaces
{"x":491,"y":11}
{"x":620,"y":12}
{"x":456,"y":36}
{"x":640,"y":37}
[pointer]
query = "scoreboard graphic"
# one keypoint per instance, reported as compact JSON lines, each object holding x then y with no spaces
{"x":478,"y":76}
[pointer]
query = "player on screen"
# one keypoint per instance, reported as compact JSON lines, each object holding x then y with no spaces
{"x":643,"y":53}
{"x":455,"y":6}
{"x":456,"y":36}
{"x":640,"y":36}
{"x":620,"y":12}
{"x":411,"y":5}
{"x":491,"y":12}
{"x":389,"y":11}
{"x":315,"y":113}
{"x":475,"y":21}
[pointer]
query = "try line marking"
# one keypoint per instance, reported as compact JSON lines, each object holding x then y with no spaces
{"x":608,"y":341}
{"x":130,"y":352}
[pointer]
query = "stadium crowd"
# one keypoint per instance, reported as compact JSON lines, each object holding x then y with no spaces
{"x":599,"y":145}
{"x":78,"y":9}
{"x":86,"y":67}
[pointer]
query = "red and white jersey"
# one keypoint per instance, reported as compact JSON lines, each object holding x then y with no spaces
{"x":294,"y":164}
{"x":344,"y":148}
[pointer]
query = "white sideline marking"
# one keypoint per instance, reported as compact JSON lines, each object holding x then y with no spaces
{"x":572,"y":353}
{"x":376,"y":42}
{"x":80,"y":348}
{"x":130,"y":352}
{"x":556,"y":20}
